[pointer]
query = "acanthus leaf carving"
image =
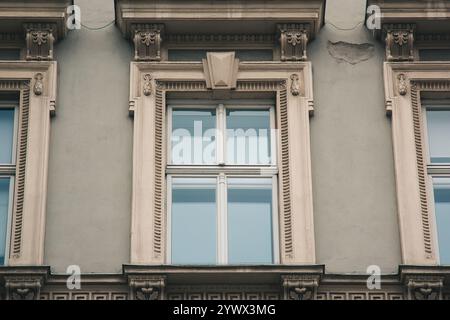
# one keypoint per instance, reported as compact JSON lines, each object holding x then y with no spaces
{"x":402,"y":84}
{"x":147,"y":287}
{"x":300,"y":287}
{"x":147,"y":40}
{"x":38,"y":88}
{"x":39,"y":41}
{"x":295,"y":85}
{"x":293,"y":40}
{"x":147,"y":90}
{"x":399,"y":41}
{"x":23,"y":288}
{"x":425,"y":288}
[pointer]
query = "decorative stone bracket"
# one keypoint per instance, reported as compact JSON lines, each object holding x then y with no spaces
{"x":425,"y":288}
{"x":399,"y":40}
{"x":300,"y":287}
{"x":40,"y":38}
{"x":147,"y":40}
{"x":293,"y":40}
{"x":147,"y":287}
{"x":23,"y":283}
{"x":23,"y":288}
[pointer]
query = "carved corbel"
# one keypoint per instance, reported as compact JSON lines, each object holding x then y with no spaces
{"x":295,"y":85}
{"x":39,"y":41}
{"x":38,"y":87}
{"x":425,"y":288}
{"x":300,"y":287}
{"x":402,"y":84}
{"x":147,"y":87}
{"x":293,"y":40}
{"x":147,"y":287}
{"x":399,"y":41}
{"x":23,"y":288}
{"x":147,"y":40}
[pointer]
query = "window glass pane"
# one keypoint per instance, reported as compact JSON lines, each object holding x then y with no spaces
{"x":4,"y":213}
{"x":193,"y":136}
{"x":434,"y":54}
{"x":6,"y":135}
{"x":250,"y":238}
{"x":439,"y":135}
{"x":9,"y":54}
{"x":442,"y":207}
{"x":248,"y":137}
{"x":199,"y":54}
{"x":194,"y":221}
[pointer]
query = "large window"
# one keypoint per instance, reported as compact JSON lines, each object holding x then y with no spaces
{"x":222,"y":179}
{"x":8,"y":124}
{"x":438,"y":129}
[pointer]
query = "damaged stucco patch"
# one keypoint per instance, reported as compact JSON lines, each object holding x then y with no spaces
{"x":352,"y":53}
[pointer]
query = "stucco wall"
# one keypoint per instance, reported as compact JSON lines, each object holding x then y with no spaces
{"x":89,"y":196}
{"x":355,"y":211}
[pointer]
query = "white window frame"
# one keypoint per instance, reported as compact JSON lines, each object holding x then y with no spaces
{"x":222,"y":214}
{"x":152,"y":85}
{"x":441,"y":170}
{"x":221,"y":106}
{"x":220,"y":168}
{"x":406,"y":84}
{"x":12,"y":166}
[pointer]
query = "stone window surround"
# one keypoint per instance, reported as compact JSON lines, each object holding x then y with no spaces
{"x":36,"y":82}
{"x":404,"y":84}
{"x":292,"y":83}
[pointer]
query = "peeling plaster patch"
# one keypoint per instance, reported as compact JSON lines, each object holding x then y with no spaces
{"x":352,"y":53}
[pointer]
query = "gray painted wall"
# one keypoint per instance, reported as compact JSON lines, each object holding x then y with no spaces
{"x":89,"y":196}
{"x":90,"y":169}
{"x":355,"y":211}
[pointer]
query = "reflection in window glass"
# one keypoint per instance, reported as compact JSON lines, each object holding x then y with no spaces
{"x":434,"y":54}
{"x":194,"y":221}
{"x":442,"y":208}
{"x":9,"y":54}
{"x":250,"y":238}
{"x":248,"y":137}
{"x":4,"y":210}
{"x":193,"y":136}
{"x":6,"y":135}
{"x":438,"y":122}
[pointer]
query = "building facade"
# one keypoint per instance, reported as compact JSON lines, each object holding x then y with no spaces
{"x":289,"y":149}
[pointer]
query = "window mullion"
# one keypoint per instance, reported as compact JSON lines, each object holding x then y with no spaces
{"x":221,"y":128}
{"x":222,"y":250}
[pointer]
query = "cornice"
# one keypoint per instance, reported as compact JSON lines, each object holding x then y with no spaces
{"x":428,"y":15}
{"x":15,"y":14}
{"x":198,"y":66}
{"x":253,"y":12}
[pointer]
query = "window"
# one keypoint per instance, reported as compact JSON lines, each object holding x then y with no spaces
{"x":442,"y":211}
{"x":434,"y":54}
{"x":222,"y":181}
{"x":241,"y":54}
{"x":438,"y":130}
{"x":8,"y":123}
{"x":9,"y":54}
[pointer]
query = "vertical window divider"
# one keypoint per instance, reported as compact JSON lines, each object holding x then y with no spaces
{"x":169,"y":220}
{"x":222,"y":231}
{"x":221,"y":132}
{"x":275,"y":222}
